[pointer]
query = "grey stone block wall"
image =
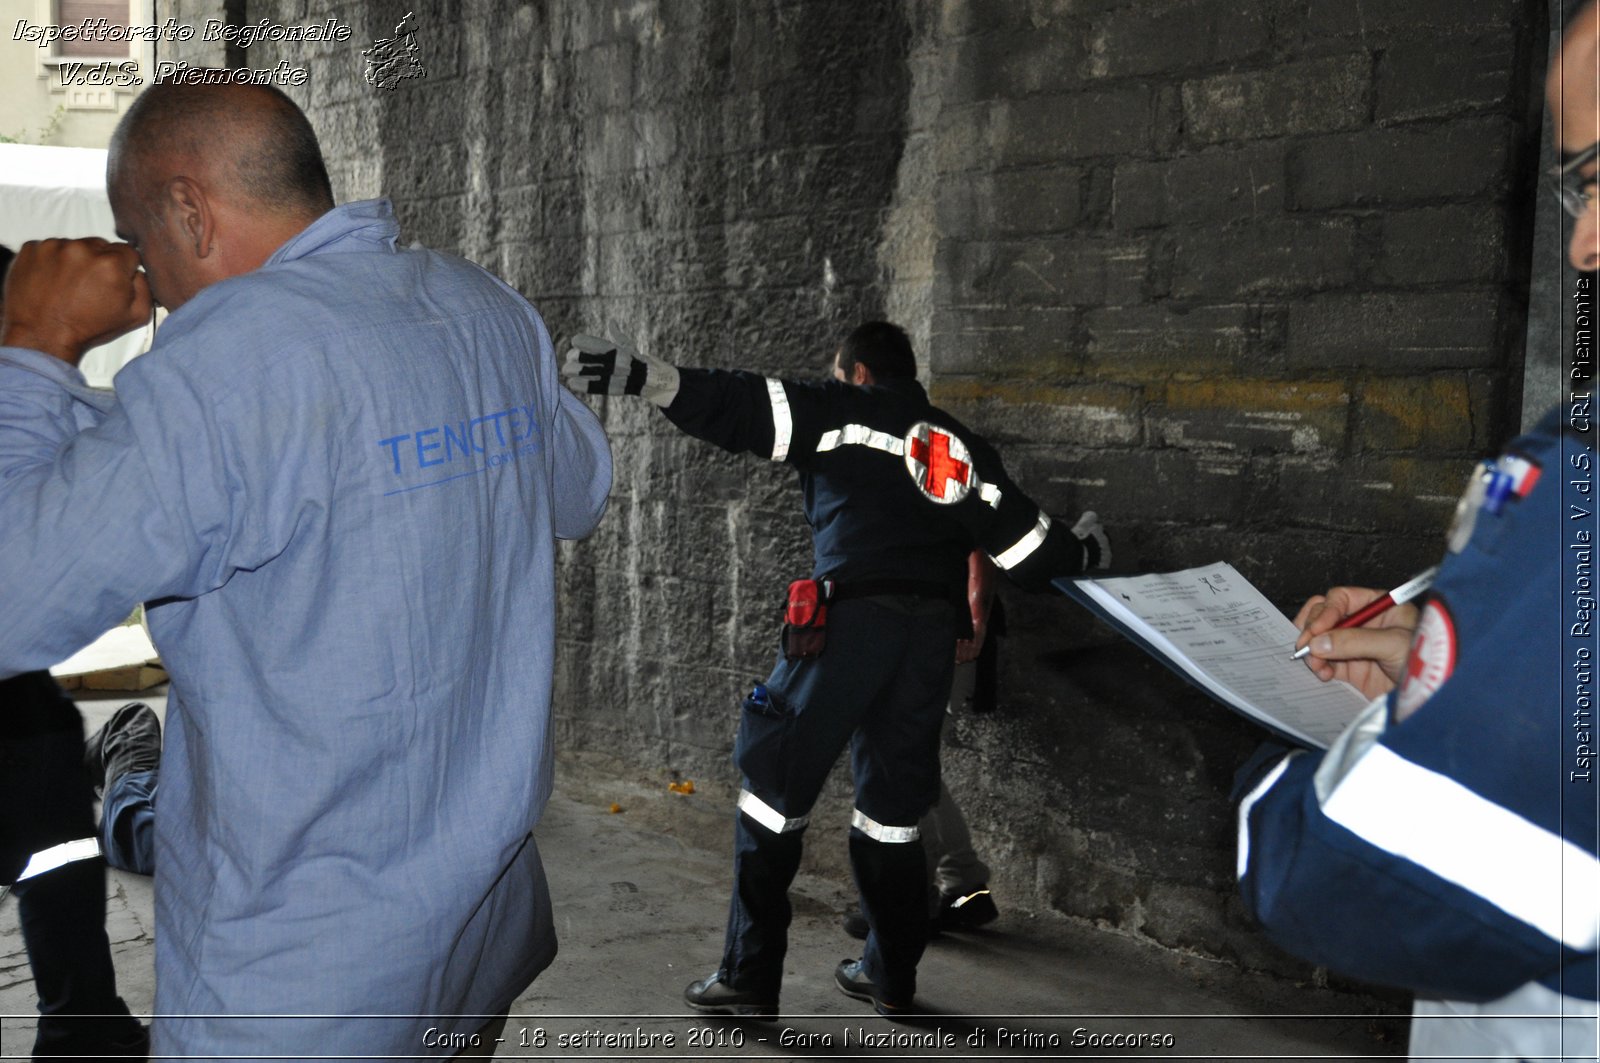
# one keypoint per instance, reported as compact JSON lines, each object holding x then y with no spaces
{"x":1272,"y":257}
{"x":1245,"y":276}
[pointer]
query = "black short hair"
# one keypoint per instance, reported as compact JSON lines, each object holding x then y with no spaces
{"x":883,"y":347}
{"x":6,"y":255}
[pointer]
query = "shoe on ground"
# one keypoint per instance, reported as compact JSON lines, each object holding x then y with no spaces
{"x":129,"y":741}
{"x":852,"y":982}
{"x":99,"y":1037}
{"x":713,"y":996}
{"x":966,"y":911}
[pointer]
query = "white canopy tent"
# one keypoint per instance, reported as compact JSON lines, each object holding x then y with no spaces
{"x":47,"y":192}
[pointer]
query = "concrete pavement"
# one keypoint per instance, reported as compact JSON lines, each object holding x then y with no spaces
{"x":640,"y":901}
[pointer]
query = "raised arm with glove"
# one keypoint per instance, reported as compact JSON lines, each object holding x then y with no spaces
{"x":817,"y":425}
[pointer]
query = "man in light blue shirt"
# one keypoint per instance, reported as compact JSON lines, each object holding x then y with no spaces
{"x":336,"y":479}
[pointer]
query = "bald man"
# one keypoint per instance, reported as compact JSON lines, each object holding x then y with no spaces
{"x":336,"y":480}
{"x":1447,"y":843}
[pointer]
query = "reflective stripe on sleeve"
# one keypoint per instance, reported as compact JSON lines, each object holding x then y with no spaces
{"x":1249,"y":802}
{"x":1529,"y":873}
{"x":767,"y":816}
{"x":782,"y":420}
{"x":861,"y":435}
{"x":60,"y":855}
{"x":878,"y":832}
{"x":1018,"y":552}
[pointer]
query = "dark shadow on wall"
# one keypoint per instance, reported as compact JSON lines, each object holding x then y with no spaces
{"x":709,"y":176}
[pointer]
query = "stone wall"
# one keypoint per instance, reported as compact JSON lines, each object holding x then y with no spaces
{"x":1245,"y":276}
{"x":1249,"y":280}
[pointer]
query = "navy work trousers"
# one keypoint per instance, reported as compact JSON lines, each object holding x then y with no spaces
{"x":45,"y":799}
{"x":880,"y":685}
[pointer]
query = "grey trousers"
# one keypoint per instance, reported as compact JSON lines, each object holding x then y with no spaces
{"x":954,"y":869}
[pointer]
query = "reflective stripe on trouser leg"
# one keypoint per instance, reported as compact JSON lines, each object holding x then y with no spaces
{"x":767,"y":816}
{"x":879,"y":832}
{"x":59,"y":856}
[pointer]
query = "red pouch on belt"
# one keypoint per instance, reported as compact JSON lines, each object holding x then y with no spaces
{"x":805,"y":618}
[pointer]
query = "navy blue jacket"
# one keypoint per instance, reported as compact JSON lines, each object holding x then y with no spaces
{"x":869,"y":519}
{"x":1454,"y":852}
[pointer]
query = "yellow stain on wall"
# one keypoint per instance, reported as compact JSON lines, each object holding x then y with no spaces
{"x":1403,"y":413}
{"x":955,"y":390}
{"x":1254,"y":395}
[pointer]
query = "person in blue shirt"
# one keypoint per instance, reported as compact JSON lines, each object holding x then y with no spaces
{"x":1447,"y":843}
{"x":336,"y":481}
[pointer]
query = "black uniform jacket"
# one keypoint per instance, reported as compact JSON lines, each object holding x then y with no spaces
{"x":862,"y":453}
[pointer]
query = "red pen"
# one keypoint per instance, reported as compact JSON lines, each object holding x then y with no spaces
{"x":1412,"y":588}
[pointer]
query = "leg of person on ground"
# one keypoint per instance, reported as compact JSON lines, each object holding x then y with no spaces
{"x":61,"y":911}
{"x":951,"y":861}
{"x":124,"y":758}
{"x":959,"y":879}
{"x":790,"y":735}
{"x":789,"y":738}
{"x":895,"y":757}
{"x":958,"y":897}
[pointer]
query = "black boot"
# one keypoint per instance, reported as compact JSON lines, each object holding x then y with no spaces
{"x":965,"y":912}
{"x":712,"y":995}
{"x":130,"y":741}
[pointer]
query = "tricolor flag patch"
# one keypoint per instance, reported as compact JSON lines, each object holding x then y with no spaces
{"x":1513,"y":477}
{"x":1524,"y":473}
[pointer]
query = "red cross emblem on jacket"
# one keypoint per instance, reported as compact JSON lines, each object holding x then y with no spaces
{"x":939,"y":463}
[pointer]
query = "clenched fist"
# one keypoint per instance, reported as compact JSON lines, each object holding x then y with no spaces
{"x":64,"y":296}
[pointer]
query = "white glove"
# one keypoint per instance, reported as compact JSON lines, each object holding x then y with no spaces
{"x":1093,"y":537}
{"x":596,"y":366}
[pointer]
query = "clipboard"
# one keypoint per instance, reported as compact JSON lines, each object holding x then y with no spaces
{"x":1212,"y":627}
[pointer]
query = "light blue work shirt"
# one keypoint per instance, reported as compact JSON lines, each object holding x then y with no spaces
{"x":337,"y":482}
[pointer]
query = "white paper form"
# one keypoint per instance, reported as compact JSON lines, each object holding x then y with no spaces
{"x":1216,"y":628}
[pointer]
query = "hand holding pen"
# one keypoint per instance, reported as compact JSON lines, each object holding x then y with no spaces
{"x":1372,"y":656}
{"x":1415,"y":587}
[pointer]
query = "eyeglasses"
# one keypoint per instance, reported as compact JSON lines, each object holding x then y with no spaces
{"x":1570,"y":182}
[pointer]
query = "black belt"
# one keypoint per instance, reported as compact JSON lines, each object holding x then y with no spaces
{"x":952,"y":594}
{"x":909,"y":588}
